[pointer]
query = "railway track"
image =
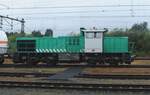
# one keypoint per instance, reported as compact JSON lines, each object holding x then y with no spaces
{"x":142,"y":58}
{"x":71,"y":65}
{"x":100,"y":76}
{"x":105,"y":76}
{"x":77,"y":86}
{"x":18,"y":74}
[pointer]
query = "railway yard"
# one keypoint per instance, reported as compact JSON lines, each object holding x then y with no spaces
{"x":74,"y":47}
{"x":135,"y":77}
{"x":89,"y":61}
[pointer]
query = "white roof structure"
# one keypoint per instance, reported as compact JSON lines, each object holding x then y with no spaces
{"x":102,"y":30}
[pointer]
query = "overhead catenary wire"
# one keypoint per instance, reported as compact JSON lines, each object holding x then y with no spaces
{"x":105,"y":16}
{"x":84,"y":6}
{"x":73,"y":12}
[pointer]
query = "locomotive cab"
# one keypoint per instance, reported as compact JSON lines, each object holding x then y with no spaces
{"x":93,"y":45}
{"x":93,"y":40}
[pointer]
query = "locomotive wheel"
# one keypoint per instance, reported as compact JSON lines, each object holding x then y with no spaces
{"x":91,"y":63}
{"x":1,"y":59}
{"x":19,"y":58}
{"x":16,"y":58}
{"x":32,"y":61}
{"x":102,"y":62}
{"x":128,"y":63}
{"x":114,"y":63}
{"x":51,"y":61}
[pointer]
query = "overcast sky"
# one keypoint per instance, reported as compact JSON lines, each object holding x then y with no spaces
{"x":65,"y":16}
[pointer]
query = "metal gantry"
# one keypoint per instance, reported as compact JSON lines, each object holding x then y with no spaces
{"x":22,"y":21}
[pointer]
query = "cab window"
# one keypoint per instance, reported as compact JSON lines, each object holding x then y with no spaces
{"x":89,"y":35}
{"x":97,"y":35}
{"x":93,"y":35}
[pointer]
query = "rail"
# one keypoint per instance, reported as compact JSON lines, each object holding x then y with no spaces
{"x":77,"y":86}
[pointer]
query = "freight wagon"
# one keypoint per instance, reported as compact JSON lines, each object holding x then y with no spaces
{"x":91,"y":46}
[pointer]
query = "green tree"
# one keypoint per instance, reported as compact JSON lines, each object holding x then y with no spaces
{"x":12,"y":40}
{"x":49,"y":32}
{"x":36,"y":33}
{"x":141,"y":27}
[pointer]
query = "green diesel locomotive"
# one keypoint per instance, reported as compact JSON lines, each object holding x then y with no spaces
{"x":91,"y":47}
